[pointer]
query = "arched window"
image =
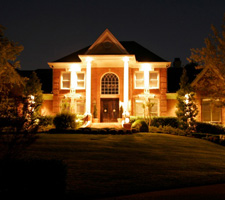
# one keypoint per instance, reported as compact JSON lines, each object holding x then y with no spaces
{"x":110,"y":84}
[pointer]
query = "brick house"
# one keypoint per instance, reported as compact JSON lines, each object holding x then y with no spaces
{"x":108,"y":75}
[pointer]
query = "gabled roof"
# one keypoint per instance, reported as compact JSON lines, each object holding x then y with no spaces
{"x":106,"y":44}
{"x":141,"y":53}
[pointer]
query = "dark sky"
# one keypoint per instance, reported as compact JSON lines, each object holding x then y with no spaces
{"x":51,"y":29}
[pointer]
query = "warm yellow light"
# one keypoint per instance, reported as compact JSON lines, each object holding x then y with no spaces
{"x":146,"y":67}
{"x":88,"y":86}
{"x":126,"y":83}
{"x":75,"y":67}
{"x":127,"y":120}
{"x":89,"y":59}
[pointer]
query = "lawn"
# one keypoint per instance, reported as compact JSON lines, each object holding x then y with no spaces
{"x":109,"y":165}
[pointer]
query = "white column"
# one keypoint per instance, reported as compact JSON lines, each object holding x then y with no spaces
{"x":126,"y":85}
{"x":88,"y":86}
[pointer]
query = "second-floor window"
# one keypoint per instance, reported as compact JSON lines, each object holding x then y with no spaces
{"x":146,"y":80}
{"x":80,"y":80}
{"x":74,"y":80}
{"x":139,"y":80}
{"x":65,"y":84}
{"x":153,"y":80}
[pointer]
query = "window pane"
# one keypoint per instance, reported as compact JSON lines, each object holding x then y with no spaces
{"x":110,"y":84}
{"x":139,"y":83}
{"x":216,"y":114}
{"x":66,"y":84}
{"x":140,"y":75}
{"x":153,"y":83}
{"x":153,"y":80}
{"x":66,"y":76}
{"x":139,"y":110}
{"x":80,"y":76}
{"x":206,"y":111}
{"x":80,"y":108}
{"x":153,"y":75}
{"x":80,"y":84}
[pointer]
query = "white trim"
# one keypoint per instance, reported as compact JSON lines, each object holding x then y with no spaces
{"x":80,"y":88}
{"x":158,"y":80}
{"x":109,"y":95}
{"x":136,"y":72}
{"x":61,"y":80}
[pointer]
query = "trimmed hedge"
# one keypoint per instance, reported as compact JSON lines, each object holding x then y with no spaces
{"x":165,"y":121}
{"x":64,"y":121}
{"x":202,"y":127}
{"x":140,"y":125}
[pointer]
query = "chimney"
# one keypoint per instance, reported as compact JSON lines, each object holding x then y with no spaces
{"x":177,"y":62}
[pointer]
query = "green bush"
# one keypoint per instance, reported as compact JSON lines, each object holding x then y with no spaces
{"x":140,"y":125}
{"x":154,"y":129}
{"x":202,"y":127}
{"x":173,"y":131}
{"x":165,"y":121}
{"x":64,"y":121}
{"x":46,"y":120}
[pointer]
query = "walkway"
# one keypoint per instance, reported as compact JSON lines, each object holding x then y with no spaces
{"x":106,"y":125}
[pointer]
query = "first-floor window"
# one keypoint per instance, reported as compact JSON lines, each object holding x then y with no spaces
{"x":73,"y":106}
{"x":141,"y":109}
{"x":211,"y":111}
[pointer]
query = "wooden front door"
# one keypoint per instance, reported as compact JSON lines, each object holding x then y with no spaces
{"x":109,"y":110}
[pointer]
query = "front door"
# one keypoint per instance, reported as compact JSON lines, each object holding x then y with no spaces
{"x":109,"y":110}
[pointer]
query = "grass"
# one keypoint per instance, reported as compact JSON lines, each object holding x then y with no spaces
{"x":109,"y":165}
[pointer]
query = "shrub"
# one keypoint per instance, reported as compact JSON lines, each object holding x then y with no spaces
{"x":64,"y":121}
{"x":173,"y":131}
{"x":140,"y":125}
{"x":46,"y":120}
{"x":153,"y":129}
{"x":202,"y":127}
{"x":165,"y":121}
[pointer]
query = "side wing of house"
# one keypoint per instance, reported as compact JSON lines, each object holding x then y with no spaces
{"x":210,"y":109}
{"x":110,"y":75}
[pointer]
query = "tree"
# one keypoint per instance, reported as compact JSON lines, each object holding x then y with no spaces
{"x":212,"y":59}
{"x":10,"y":81}
{"x":33,"y":99}
{"x":186,"y":107}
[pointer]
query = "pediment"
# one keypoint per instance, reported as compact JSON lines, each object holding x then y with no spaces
{"x":106,"y":44}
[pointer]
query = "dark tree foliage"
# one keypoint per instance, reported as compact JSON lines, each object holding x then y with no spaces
{"x":186,"y":107}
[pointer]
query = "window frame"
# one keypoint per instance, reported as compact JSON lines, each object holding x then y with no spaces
{"x":137,"y":100}
{"x":80,"y":88}
{"x":135,"y":80}
{"x":155,"y":72}
{"x":118,"y":84}
{"x":62,"y":80}
{"x":211,"y":112}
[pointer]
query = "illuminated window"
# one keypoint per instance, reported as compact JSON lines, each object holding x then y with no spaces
{"x":80,"y":80}
{"x":65,"y":80}
{"x":80,"y":107}
{"x":141,"y":111}
{"x":110,"y":84}
{"x":73,"y":106}
{"x":211,"y":112}
{"x":153,"y":80}
{"x":139,"y":80}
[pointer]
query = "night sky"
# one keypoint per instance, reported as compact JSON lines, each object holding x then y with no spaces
{"x":51,"y":29}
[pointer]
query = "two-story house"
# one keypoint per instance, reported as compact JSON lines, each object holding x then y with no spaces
{"x":110,"y":74}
